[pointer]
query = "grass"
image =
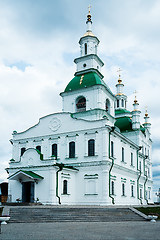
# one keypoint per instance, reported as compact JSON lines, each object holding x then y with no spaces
{"x":150,"y":211}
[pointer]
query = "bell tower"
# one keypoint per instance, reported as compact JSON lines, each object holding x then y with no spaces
{"x":87,"y":96}
{"x":121,"y":98}
{"x":88,"y":59}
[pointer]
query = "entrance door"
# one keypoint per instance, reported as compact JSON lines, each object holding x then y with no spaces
{"x":28,"y":192}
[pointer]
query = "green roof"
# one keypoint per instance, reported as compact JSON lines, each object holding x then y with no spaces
{"x":84,"y":80}
{"x":32,"y":174}
{"x":120,"y":111}
{"x":124,"y":124}
{"x":142,"y":129}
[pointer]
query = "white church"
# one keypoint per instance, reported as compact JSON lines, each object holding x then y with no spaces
{"x":94,"y":152}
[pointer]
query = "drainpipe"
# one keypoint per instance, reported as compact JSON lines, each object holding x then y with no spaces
{"x":138,"y":177}
{"x":145,"y":180}
{"x":112,"y":130}
{"x":60,"y":169}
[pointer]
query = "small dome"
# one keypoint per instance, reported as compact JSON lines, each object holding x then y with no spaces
{"x":124,"y":124}
{"x":84,"y":81}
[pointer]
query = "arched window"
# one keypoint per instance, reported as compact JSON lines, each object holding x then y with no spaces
{"x":123,"y":189}
{"x":38,"y":148}
{"x":122,"y":103}
{"x":54,"y":150}
{"x":65,"y":187}
{"x":85,"y":48}
{"x":72,"y":150}
{"x":81,"y":104}
{"x":117,"y":103}
{"x":107,"y":105}
{"x":23,"y":150}
{"x":112,"y":187}
{"x":91,"y":147}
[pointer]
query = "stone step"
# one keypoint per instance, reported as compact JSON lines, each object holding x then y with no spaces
{"x":31,"y":214}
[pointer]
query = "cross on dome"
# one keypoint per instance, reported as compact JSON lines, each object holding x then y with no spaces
{"x":119,"y":80}
{"x":146,"y":111}
{"x":89,"y":14}
{"x":135,"y":100}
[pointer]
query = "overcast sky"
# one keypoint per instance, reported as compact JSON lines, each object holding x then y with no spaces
{"x":39,"y":41}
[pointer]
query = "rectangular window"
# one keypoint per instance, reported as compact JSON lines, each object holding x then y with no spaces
{"x":123,"y":189}
{"x":149,"y":195}
{"x":112,"y":149}
{"x":131,"y":159}
{"x":132,"y":191}
{"x":140,"y":167}
{"x":65,"y":187}
{"x":140,"y":192}
{"x":72,"y":150}
{"x":54,"y":150}
{"x":112,"y":187}
{"x":91,"y":147}
{"x":122,"y":154}
{"x":117,"y":103}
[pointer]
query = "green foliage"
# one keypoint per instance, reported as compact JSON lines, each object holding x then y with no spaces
{"x":150,"y":211}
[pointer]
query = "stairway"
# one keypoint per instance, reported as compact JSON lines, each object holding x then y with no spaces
{"x":70,"y":214}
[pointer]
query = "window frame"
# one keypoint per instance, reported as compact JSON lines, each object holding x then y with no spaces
{"x":112,"y":187}
{"x":85,"y":49}
{"x":117,"y":103}
{"x":91,"y":147}
{"x":132,"y":159}
{"x":54,"y":151}
{"x":132,"y":190}
{"x":38,"y":147}
{"x":123,"y":158}
{"x":112,"y":149}
{"x":123,"y":189}
{"x":80,"y":108}
{"x":65,"y":187}
{"x":23,"y":149}
{"x":72,"y":149}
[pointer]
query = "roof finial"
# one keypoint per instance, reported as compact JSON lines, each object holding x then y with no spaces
{"x":135,"y":100}
{"x":119,"y":80}
{"x":146,"y":112}
{"x":89,"y":14}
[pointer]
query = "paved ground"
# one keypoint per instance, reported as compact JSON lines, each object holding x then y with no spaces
{"x":81,"y":231}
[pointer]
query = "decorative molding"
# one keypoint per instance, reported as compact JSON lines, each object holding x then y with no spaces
{"x":54,"y":124}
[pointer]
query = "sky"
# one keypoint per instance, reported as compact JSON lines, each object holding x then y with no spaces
{"x":39,"y":41}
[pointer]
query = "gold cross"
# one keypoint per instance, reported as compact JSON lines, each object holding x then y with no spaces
{"x":81,"y":79}
{"x":135,"y":92}
{"x":89,"y":8}
{"x":119,"y":70}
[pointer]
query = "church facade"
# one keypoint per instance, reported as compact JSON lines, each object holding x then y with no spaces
{"x":95,"y":151}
